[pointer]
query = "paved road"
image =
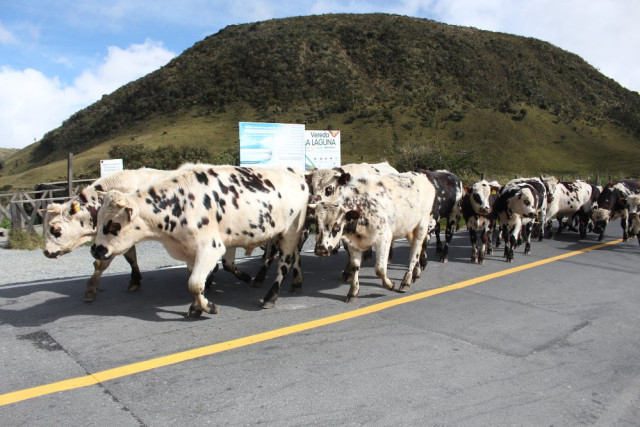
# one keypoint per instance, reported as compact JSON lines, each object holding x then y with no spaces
{"x":555,"y":343}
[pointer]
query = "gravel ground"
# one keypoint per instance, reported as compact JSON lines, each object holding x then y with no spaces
{"x":22,"y":266}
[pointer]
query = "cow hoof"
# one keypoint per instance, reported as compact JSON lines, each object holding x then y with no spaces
{"x":351,"y":298}
{"x":480,"y":262}
{"x":404,"y":287}
{"x":296,"y":289}
{"x":90,"y":296}
{"x":268,"y":304}
{"x":133,"y":287}
{"x":193,"y":313}
{"x":213,"y":309}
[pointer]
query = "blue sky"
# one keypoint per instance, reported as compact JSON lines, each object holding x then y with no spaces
{"x":58,"y":56}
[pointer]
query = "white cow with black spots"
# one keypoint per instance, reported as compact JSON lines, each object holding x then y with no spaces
{"x":372,"y":211}
{"x":201,"y":210}
{"x":70,"y":224}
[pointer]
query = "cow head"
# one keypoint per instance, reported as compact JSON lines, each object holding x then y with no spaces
{"x":481,"y":194}
{"x":119,"y":226}
{"x":333,"y":220}
{"x":67,"y":226}
{"x":326,"y":182}
{"x":550,"y":184}
{"x":524,"y":203}
{"x":633,"y":203}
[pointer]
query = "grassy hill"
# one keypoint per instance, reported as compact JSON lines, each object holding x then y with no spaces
{"x":388,"y":82}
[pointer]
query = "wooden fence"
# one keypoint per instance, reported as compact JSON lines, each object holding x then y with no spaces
{"x":23,"y":209}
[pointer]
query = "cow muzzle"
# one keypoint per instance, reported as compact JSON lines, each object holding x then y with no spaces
{"x":52,"y":255}
{"x":100,"y":252}
{"x":323,"y":251}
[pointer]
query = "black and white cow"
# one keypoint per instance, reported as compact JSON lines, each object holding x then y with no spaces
{"x":70,"y":224}
{"x":371,"y":212}
{"x":611,"y":205}
{"x":477,"y":211}
{"x":449,"y":192}
{"x":201,"y":210}
{"x":633,"y":204}
{"x":570,"y":199}
{"x":326,"y":184}
{"x":521,"y":202}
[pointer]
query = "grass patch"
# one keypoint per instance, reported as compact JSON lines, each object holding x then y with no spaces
{"x":21,"y":239}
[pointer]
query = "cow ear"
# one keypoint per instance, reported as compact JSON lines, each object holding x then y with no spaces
{"x":352,"y":215}
{"x":623,"y":201}
{"x":468,"y":189}
{"x":344,"y":178}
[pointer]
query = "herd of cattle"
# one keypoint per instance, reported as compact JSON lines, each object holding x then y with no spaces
{"x":202,"y":213}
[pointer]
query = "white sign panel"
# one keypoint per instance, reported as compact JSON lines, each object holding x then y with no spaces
{"x":322,"y":149}
{"x":270,"y":144}
{"x":107,"y":167}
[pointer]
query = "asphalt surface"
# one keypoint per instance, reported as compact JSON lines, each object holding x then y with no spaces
{"x":540,"y":341}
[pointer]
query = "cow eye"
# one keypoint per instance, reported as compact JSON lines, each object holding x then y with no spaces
{"x":527,"y":203}
{"x":55,"y":231}
{"x":335,"y":228}
{"x":328,"y":191}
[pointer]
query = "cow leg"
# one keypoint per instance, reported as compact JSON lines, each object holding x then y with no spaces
{"x":346,"y":271}
{"x":296,"y":285}
{"x":527,"y":238}
{"x":229,"y":264}
{"x":268,"y":256}
{"x":136,"y":277}
{"x":448,"y":235}
{"x":560,"y":225}
{"x":355,"y":257}
{"x":486,"y":240}
{"x":423,"y":252}
{"x":382,"y":258}
{"x":436,"y":231}
{"x":288,"y":245}
{"x":418,"y":237}
{"x":99,"y":266}
{"x":473,"y":236}
{"x":206,"y":259}
{"x":625,"y":230}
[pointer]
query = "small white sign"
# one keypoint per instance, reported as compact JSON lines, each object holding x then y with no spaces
{"x":107,"y":167}
{"x":321,"y":149}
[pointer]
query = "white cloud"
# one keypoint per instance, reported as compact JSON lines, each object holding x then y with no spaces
{"x":31,"y":104}
{"x":6,"y":37}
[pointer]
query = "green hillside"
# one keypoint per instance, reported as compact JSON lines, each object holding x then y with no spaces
{"x":515,"y":104}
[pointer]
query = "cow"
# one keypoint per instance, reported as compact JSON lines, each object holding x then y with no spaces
{"x":72,"y":223}
{"x":633,"y":204}
{"x":570,"y":199}
{"x":370,"y":212}
{"x":200,"y":211}
{"x":328,"y":183}
{"x":477,"y":211}
{"x":449,"y":192}
{"x":611,"y":205}
{"x":519,"y":203}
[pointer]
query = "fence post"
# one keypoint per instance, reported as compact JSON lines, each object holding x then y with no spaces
{"x":16,"y":215}
{"x":70,"y":175}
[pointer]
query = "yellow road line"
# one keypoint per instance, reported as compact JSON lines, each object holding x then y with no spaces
{"x":171,"y":359}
